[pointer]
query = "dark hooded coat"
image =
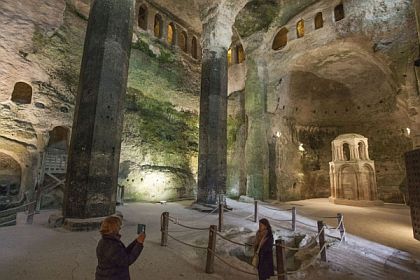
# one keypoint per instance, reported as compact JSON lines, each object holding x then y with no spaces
{"x":114,"y":258}
{"x":265,"y":263}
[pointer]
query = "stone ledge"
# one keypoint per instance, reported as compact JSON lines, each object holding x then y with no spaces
{"x":89,"y":224}
{"x":359,"y":203}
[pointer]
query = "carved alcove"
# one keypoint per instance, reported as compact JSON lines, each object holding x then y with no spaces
{"x":352,"y":172}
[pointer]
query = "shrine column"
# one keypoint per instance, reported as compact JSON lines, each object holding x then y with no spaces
{"x":94,"y":153}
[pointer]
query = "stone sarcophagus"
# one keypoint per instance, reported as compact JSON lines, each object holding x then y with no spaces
{"x":352,"y":173}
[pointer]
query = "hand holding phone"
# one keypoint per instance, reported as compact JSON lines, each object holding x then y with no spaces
{"x":141,"y":228}
{"x":141,"y":237}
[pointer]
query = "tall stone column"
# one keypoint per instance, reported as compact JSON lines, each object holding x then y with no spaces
{"x":256,"y":147}
{"x":94,"y":152}
{"x":213,"y":125}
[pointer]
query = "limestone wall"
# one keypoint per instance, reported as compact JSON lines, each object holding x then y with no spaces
{"x":350,"y":76}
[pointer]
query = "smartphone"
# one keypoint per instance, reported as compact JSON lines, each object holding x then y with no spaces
{"x":141,"y":228}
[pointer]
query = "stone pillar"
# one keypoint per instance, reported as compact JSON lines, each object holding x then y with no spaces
{"x":256,"y":147}
{"x":213,"y":125}
{"x":94,"y":153}
{"x":164,"y":31}
{"x":151,"y":13}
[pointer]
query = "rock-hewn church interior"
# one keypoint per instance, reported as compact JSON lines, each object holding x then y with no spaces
{"x":198,"y":119}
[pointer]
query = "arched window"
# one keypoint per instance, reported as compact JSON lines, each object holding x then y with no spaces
{"x":143,"y":17}
{"x":158,"y":26}
{"x":362,"y":151}
{"x":22,"y":93}
{"x":229,"y":56}
{"x":240,"y":53}
{"x":319,"y":21}
{"x":59,"y":137}
{"x":300,"y":28}
{"x":339,"y":12}
{"x":183,"y":41}
{"x":346,"y":151}
{"x":194,"y":51}
{"x":280,"y":41}
{"x":171,"y":32}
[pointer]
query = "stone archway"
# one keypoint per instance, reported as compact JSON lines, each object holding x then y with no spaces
{"x":10,"y":178}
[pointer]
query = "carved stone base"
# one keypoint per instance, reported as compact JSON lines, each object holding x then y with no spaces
{"x":360,"y":203}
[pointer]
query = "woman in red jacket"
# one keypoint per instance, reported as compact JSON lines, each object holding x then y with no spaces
{"x":113,"y":257}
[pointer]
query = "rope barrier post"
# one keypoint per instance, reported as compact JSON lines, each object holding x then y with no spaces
{"x":38,"y":199}
{"x":294,"y":218}
{"x":340,"y":219}
{"x":31,"y":213}
{"x":164,"y":225}
{"x":211,"y":249}
{"x":281,"y":259}
{"x":255,"y":211}
{"x":321,"y":233}
{"x":122,"y":195}
{"x":221,"y":206}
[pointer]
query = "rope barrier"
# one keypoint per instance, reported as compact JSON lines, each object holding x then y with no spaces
{"x":230,"y":265}
{"x":274,"y":219}
{"x":313,"y":260}
{"x":17,"y":207}
{"x":275,"y":209}
{"x":187,"y":244}
{"x":176,"y":222}
{"x":234,"y":242}
{"x":8,"y":223}
{"x":200,"y":217}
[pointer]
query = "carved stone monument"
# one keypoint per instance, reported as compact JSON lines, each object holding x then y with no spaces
{"x":352,"y":173}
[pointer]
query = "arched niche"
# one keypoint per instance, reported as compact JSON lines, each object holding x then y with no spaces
{"x":194,"y":48}
{"x":280,"y":40}
{"x":362,"y":150}
{"x":339,"y":12}
{"x":300,"y":28}
{"x":142,"y":17}
{"x":183,"y":41}
{"x":22,"y":93}
{"x":59,"y":137}
{"x":171,"y":34}
{"x":240,"y":53}
{"x":346,"y":152}
{"x":10,"y":176}
{"x":319,"y":21}
{"x":158,"y":26}
{"x":348,"y":182}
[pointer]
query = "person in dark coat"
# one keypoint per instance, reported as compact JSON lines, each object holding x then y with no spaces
{"x":264,"y":250}
{"x":113,"y":257}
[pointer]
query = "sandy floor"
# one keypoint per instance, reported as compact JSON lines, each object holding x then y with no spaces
{"x":38,"y":252}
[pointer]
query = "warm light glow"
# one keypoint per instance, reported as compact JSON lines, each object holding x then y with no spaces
{"x":301,"y":147}
{"x":408,"y":131}
{"x":229,"y":56}
{"x":170,"y":34}
{"x":300,"y":28}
